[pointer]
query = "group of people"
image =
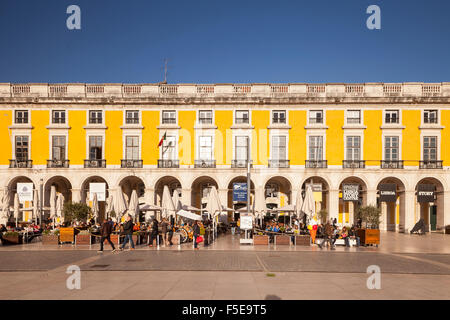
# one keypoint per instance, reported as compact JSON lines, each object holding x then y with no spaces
{"x":329,"y":233}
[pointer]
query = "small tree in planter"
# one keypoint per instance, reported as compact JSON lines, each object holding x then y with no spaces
{"x":76,"y":211}
{"x":370,"y":215}
{"x":323,"y":214}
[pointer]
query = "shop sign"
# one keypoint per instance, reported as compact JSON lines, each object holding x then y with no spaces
{"x":425,"y":192}
{"x":246,"y":222}
{"x":350,"y":192}
{"x":240,"y":192}
{"x":25,"y":192}
{"x":99,"y":188}
{"x":388,"y":192}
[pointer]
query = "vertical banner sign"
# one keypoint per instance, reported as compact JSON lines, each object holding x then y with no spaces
{"x":25,"y":192}
{"x":425,"y":192}
{"x":388,"y":192}
{"x":240,"y":192}
{"x":350,"y":192}
{"x":99,"y":188}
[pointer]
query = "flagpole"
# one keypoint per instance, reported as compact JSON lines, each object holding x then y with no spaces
{"x":248,"y":182}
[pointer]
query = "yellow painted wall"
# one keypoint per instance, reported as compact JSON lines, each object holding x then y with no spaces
{"x":150,"y":137}
{"x":335,"y":137}
{"x":445,"y":137}
{"x":260,"y":137}
{"x":39,"y":137}
{"x":411,"y":143}
{"x":297,"y":137}
{"x":223,"y":145}
{"x":77,"y":137}
{"x":5,"y":142}
{"x":373,"y":137}
{"x":113,"y":137}
{"x":186,"y":142}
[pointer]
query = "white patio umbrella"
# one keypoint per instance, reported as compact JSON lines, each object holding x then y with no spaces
{"x":5,"y":207}
{"x":213,"y":205}
{"x":119,"y":203}
{"x":309,"y":206}
{"x":109,"y":205}
{"x":190,"y":208}
{"x":16,"y":207}
{"x":299,"y":204}
{"x":167,"y":203}
{"x":133,"y":206}
{"x":189,"y":215}
{"x":52,"y":202}
{"x":35,"y":205}
{"x":176,"y":201}
{"x":95,"y":208}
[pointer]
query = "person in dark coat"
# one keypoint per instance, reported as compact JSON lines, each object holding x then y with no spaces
{"x":105,"y":232}
{"x":154,"y":233}
{"x":170,"y":233}
{"x":196,"y":234}
{"x":164,"y":225}
{"x":327,"y":236}
{"x":128,"y":233}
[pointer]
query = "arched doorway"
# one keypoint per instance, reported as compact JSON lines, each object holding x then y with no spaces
{"x":321,"y":190}
{"x":131,"y":183}
{"x":173,"y":184}
{"x":200,"y":190}
{"x":236,"y":205}
{"x":62,"y":185}
{"x":391,"y":201}
{"x":277,"y":192}
{"x":429,"y":203}
{"x":87,"y":198}
{"x":352,"y":195}
{"x":24,"y":216}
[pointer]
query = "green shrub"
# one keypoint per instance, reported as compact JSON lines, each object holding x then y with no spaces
{"x":370,"y":215}
{"x":11,"y":234}
{"x":76,"y":211}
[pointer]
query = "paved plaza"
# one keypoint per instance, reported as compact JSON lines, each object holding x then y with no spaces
{"x":412,"y":267}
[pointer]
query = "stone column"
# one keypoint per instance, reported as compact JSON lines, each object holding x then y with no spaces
{"x":445,"y":220}
{"x":371,"y":197}
{"x":383,"y":218}
{"x":76,"y":195}
{"x":186,"y":197}
{"x":149,"y":195}
{"x":260,"y":199}
{"x":333,"y":211}
{"x":351,"y":212}
{"x":408,"y":210}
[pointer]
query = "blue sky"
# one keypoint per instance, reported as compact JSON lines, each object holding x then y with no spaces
{"x":212,"y":41}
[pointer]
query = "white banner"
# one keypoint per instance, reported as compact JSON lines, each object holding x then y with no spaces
{"x":99,"y":188}
{"x":25,"y":192}
{"x":246,"y":222}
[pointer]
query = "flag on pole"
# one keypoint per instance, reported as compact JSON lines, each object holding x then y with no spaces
{"x":162,"y":139}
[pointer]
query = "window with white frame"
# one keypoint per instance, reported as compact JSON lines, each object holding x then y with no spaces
{"x":430,"y":116}
{"x":279,"y":148}
{"x":58,"y":116}
{"x":95,"y":147}
{"x":205,"y":117}
{"x":205,"y":148}
{"x":391,"y":148}
{"x":132,"y":117}
{"x":58,"y":148}
{"x":353,"y":148}
{"x":21,"y":116}
{"x":95,"y":117}
{"x":315,"y":148}
{"x":316,"y":117}
{"x":392,"y":116}
{"x":430,"y":148}
{"x":168,"y":148}
{"x":279,"y":116}
{"x":132,"y":148}
{"x":241,"y":147}
{"x":242,"y":116}
{"x":22,"y":148}
{"x":169,"y":117}
{"x":354,"y":116}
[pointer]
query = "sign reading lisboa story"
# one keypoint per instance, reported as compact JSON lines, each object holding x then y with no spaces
{"x":350,"y":192}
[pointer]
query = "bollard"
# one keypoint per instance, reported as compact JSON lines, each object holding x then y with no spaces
{"x":179,"y":241}
{"x":157,"y":242}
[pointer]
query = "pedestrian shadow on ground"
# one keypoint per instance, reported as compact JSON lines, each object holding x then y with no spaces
{"x":272,"y":297}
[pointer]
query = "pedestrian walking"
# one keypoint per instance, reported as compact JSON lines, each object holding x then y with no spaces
{"x":128,"y":233}
{"x":170,"y":228}
{"x":164,"y":225}
{"x":105,"y":233}
{"x":154,"y":233}
{"x":196,"y":234}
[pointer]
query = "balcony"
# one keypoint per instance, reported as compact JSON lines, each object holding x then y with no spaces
{"x":57,"y":163}
{"x":205,"y":164}
{"x":353,"y":164}
{"x":21,"y":163}
{"x":130,"y":163}
{"x":430,"y":164}
{"x":279,"y":163}
{"x":95,"y":163}
{"x":240,"y":163}
{"x":168,"y":163}
{"x":316,"y":164}
{"x":391,"y":164}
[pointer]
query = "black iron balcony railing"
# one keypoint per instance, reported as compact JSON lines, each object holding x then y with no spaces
{"x":20,"y":163}
{"x":205,"y":164}
{"x":240,"y":163}
{"x":130,"y":163}
{"x":391,"y":164}
{"x":316,"y":164}
{"x":278,"y":120}
{"x":132,"y":120}
{"x":168,"y":163}
{"x":169,"y":120}
{"x":279,"y":163}
{"x":95,"y":163}
{"x":57,"y":163}
{"x":353,"y":164}
{"x":430,"y":164}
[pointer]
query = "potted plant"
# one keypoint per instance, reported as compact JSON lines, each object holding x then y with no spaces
{"x":370,"y":216}
{"x":12,"y":237}
{"x":50,"y":237}
{"x":83,"y":238}
{"x":323,"y":214}
{"x":76,"y":211}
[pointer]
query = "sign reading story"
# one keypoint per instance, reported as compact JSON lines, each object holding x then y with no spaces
{"x":425,"y":192}
{"x":350,"y":192}
{"x":25,"y":191}
{"x":388,"y":192}
{"x":99,"y":188}
{"x":240,"y":192}
{"x":246,"y":222}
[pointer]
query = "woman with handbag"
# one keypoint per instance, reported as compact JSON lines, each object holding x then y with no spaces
{"x":196,"y":234}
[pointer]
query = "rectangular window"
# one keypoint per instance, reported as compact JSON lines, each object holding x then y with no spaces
{"x":354,"y":148}
{"x":430,"y":116}
{"x":391,"y":148}
{"x":132,"y":117}
{"x":392,"y":116}
{"x":21,"y":116}
{"x":169,"y":117}
{"x":58,"y":148}
{"x":95,"y":117}
{"x":354,"y":116}
{"x":316,"y":117}
{"x":58,"y":116}
{"x":315,"y":147}
{"x":242,"y":116}
{"x":22,"y":148}
{"x":205,"y":117}
{"x":95,"y":148}
{"x":279,"y":148}
{"x":132,"y":148}
{"x":429,"y":148}
{"x":168,"y":148}
{"x":205,"y":148}
{"x":241,"y":147}
{"x":279,"y":117}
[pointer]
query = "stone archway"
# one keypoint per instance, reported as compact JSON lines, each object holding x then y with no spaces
{"x":200,"y":190}
{"x":86,"y":198}
{"x":173,"y":184}
{"x":393,"y":217}
{"x":432,"y":212}
{"x":348,"y":206}
{"x":277,"y":192}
